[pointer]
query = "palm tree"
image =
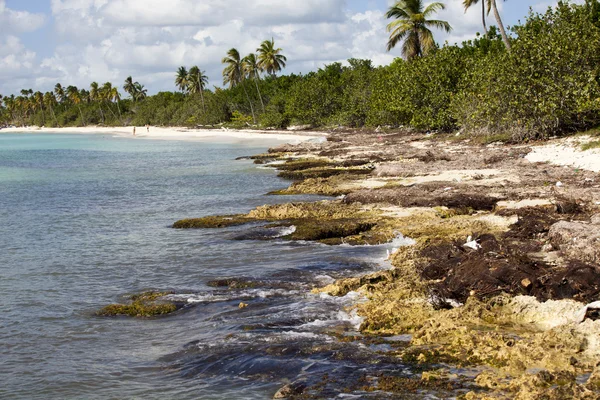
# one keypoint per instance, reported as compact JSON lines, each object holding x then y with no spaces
{"x":129,"y":86}
{"x":196,"y":82}
{"x":95,"y":96}
{"x":233,"y":75}
{"x":252,"y":70}
{"x":412,"y":26}
{"x":270,"y":59}
{"x":22,"y":106}
{"x":114,"y":95}
{"x":75,"y":97}
{"x":139,"y":93}
{"x":59,"y":92}
{"x":50,"y":102}
{"x":135,"y":90}
{"x":9,"y":103}
{"x":491,"y":5}
{"x":181,"y":78}
{"x":38,"y":99}
{"x":106,"y":96}
{"x":469,"y":3}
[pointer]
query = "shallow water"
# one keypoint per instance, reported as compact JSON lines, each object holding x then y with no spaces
{"x":85,"y":220}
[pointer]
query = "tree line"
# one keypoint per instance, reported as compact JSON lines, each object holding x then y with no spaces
{"x":541,"y":79}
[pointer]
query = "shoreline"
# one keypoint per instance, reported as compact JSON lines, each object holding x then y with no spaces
{"x":490,"y":281}
{"x":181,"y":133}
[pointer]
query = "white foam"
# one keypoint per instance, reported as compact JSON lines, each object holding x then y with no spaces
{"x":192,"y":298}
{"x":335,"y":318}
{"x":325,"y":279}
{"x":286,"y":231}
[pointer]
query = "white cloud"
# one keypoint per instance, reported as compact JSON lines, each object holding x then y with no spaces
{"x":108,"y":40}
{"x":12,"y":22}
{"x":17,"y":63}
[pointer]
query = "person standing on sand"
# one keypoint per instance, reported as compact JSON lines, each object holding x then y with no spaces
{"x":134,"y":131}
{"x":148,"y":128}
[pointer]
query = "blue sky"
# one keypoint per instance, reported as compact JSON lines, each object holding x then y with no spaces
{"x":43,"y":42}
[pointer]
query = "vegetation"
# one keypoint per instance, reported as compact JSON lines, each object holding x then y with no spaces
{"x":547,"y":84}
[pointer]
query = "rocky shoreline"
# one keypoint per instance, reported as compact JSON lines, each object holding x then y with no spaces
{"x":494,"y":293}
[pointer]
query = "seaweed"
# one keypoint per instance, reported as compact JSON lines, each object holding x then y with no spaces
{"x":143,"y":305}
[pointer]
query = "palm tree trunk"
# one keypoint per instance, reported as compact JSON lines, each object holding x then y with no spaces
{"x":119,"y":108}
{"x":43,"y":116}
{"x":111,"y":111}
{"x":249,"y":102}
{"x":483,"y":16}
{"x":500,"y":25}
{"x":80,"y":113}
{"x":202,"y":97}
{"x":259,"y":95}
{"x":54,"y":116}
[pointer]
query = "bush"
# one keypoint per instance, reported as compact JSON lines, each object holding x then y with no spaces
{"x":547,"y":84}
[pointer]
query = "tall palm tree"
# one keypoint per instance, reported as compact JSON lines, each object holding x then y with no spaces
{"x":140,"y":93}
{"x":50,"y":103}
{"x":94,"y":91}
{"x":233,"y":74}
{"x":95,"y":96}
{"x":252,"y":70}
{"x":114,"y":95}
{"x":21,"y":104}
{"x":9,"y":103}
{"x":74,"y":96}
{"x":59,"y":91}
{"x":491,"y":5}
{"x":38,"y":99}
{"x":181,"y":79}
{"x":196,"y":82}
{"x":270,"y":59}
{"x":106,"y":96}
{"x":412,"y":26}
{"x":469,"y":3}
{"x":129,"y":87}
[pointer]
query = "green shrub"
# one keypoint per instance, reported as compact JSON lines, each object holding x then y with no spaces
{"x":547,"y":84}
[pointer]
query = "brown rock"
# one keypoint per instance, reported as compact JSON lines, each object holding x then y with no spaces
{"x":290,"y":389}
{"x":577,"y":240}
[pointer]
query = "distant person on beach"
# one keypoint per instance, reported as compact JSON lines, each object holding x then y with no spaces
{"x":134,"y":131}
{"x":147,"y":128}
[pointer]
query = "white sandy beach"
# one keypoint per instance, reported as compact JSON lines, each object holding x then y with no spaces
{"x":182,"y":133}
{"x":567,"y":152}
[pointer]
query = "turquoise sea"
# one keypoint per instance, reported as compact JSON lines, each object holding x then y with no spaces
{"x":85,"y":220}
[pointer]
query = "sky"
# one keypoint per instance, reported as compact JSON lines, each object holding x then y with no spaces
{"x":76,"y":42}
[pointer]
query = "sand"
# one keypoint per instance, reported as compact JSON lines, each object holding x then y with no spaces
{"x":181,"y":133}
{"x":567,"y":152}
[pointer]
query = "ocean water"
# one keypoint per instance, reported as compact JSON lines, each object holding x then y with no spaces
{"x":85,"y":220}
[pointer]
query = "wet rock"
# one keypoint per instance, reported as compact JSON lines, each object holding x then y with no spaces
{"x":234,"y":283}
{"x":291,"y":389}
{"x":578,"y":240}
{"x":147,"y":304}
{"x":212,"y":222}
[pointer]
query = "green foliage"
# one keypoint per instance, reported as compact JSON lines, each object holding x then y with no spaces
{"x":547,"y":84}
{"x":239,"y":120}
